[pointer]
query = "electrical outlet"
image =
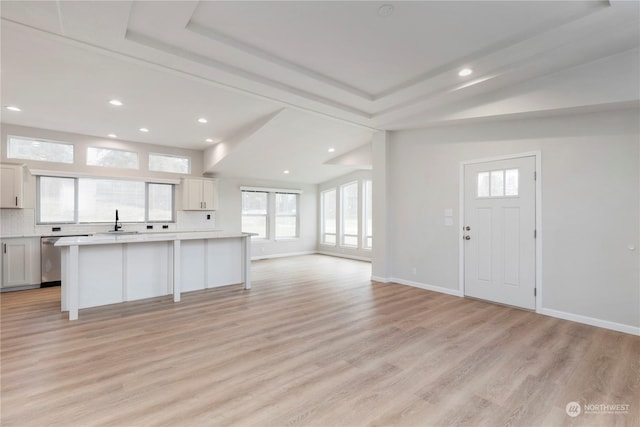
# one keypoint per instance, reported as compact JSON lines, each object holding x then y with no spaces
{"x":164,"y":227}
{"x":208,"y":216}
{"x":149,"y":227}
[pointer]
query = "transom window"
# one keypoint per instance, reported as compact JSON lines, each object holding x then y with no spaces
{"x":498,"y":183}
{"x":40,"y":150}
{"x":108,"y":157}
{"x":166,"y":163}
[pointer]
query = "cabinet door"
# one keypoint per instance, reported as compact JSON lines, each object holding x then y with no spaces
{"x":16,"y":262}
{"x":209,"y":194}
{"x":192,"y":195}
{"x":10,"y":186}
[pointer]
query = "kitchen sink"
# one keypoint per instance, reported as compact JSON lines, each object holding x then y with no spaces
{"x":117,"y":233}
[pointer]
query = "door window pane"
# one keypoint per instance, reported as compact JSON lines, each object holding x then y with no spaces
{"x":497,"y":183}
{"x":511,"y":182}
{"x":483,"y":184}
{"x":57,"y":199}
{"x":98,"y":200}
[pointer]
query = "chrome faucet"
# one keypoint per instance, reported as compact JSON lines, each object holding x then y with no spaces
{"x":116,"y":226}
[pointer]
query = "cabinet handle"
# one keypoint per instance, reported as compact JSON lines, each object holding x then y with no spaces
{"x":16,"y":200}
{"x":5,"y":248}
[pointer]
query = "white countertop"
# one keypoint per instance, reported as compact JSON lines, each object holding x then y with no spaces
{"x":108,"y":239}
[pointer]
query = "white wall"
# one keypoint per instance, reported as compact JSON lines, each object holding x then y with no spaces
{"x":359,"y":252}
{"x":229,"y":216}
{"x":590,"y":207}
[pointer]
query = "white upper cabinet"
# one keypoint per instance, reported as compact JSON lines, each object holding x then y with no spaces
{"x":11,"y":186}
{"x":199,"y":194}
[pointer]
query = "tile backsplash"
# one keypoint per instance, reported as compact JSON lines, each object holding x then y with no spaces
{"x":17,"y":222}
{"x":21,"y":222}
{"x":195,"y":220}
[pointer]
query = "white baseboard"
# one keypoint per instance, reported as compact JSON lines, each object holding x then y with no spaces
{"x":454,"y":292}
{"x":357,"y":258}
{"x":627,"y":329}
{"x":288,"y":254}
{"x":380,"y":279}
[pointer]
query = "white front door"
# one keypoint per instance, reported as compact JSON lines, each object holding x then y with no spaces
{"x":499,"y":227}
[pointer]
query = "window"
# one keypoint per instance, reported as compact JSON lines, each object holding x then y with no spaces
{"x":367,"y":206}
{"x":255,"y":208}
{"x":328,"y":217}
{"x":41,"y":150}
{"x":160,"y":202}
{"x":88,"y":200}
{"x":172,"y":164}
{"x":98,"y":200}
{"x":286,"y":215}
{"x":107,"y":157}
{"x":498,"y":183}
{"x":349,"y":210}
{"x":57,"y":198}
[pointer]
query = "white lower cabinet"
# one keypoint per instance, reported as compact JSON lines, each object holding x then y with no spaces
{"x":20,"y":261}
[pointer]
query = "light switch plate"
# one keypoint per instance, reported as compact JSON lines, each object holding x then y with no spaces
{"x":448,"y":212}
{"x":448,"y":221}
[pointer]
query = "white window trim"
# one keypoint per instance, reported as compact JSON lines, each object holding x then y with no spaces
{"x":76,"y":177}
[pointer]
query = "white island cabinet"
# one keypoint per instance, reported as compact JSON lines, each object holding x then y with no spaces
{"x":100,"y":270}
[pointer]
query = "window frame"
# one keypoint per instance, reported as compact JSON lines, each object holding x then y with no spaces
{"x":188,"y":159}
{"x":266,"y":215}
{"x":137,"y":155}
{"x":323,"y":232}
{"x":296,"y":216}
{"x":342,"y":227}
{"x":366,"y":203}
{"x":47,"y":141}
{"x":76,"y":203}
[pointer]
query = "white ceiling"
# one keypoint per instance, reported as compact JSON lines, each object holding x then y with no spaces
{"x":281,"y":82}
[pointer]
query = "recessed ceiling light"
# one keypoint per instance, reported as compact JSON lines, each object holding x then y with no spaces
{"x":116,"y":102}
{"x":14,"y":108}
{"x":465,"y":72}
{"x":385,"y":10}
{"x":331,"y":150}
{"x":143,"y":130}
{"x":209,"y":140}
{"x":202,"y":120}
{"x":112,"y":135}
{"x":285,"y":172}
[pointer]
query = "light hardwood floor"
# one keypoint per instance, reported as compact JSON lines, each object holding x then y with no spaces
{"x":314,"y":343}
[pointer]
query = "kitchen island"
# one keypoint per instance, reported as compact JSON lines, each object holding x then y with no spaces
{"x":112,"y":268}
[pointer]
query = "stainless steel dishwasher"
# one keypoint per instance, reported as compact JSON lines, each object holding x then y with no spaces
{"x":50,"y":260}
